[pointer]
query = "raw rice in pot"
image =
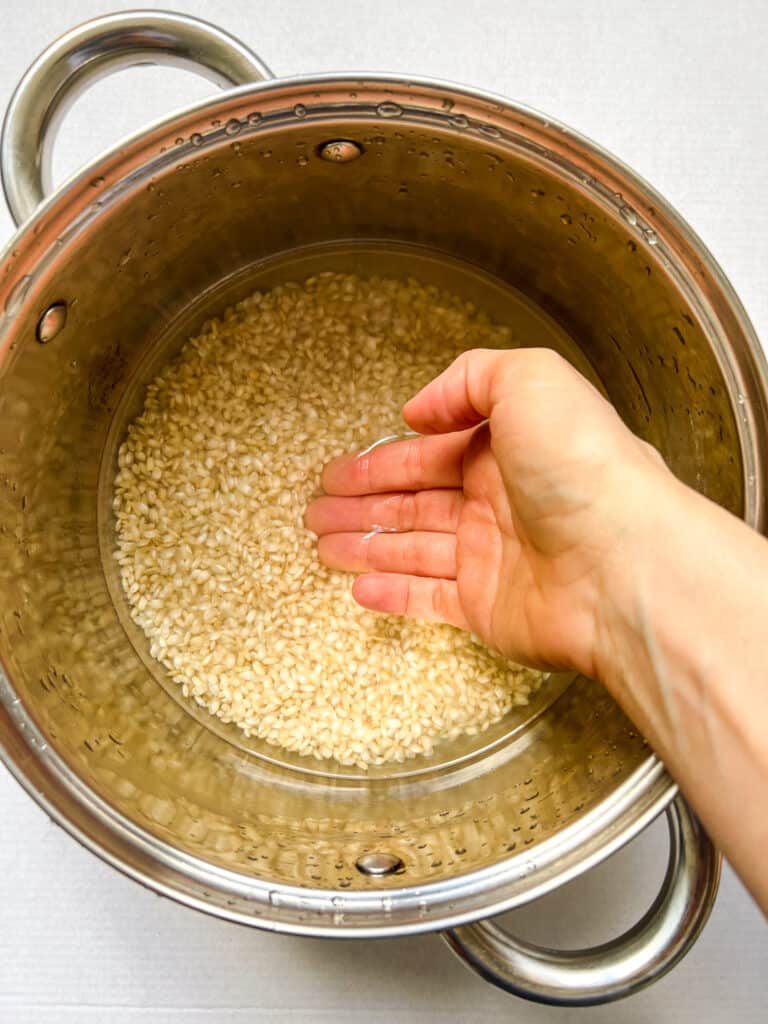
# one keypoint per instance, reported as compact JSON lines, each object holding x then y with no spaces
{"x":219,"y":571}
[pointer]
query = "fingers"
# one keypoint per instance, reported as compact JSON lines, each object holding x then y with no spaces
{"x":417,"y":554}
{"x":459,"y":397}
{"x":436,"y":600}
{"x":415,"y":464}
{"x":436,"y":510}
{"x":464,"y":395}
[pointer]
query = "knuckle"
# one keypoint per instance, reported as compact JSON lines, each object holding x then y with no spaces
{"x":438,"y":599}
{"x":653,"y":453}
{"x":546,"y":359}
{"x":413,"y":461}
{"x":407,"y":512}
{"x":410,"y":599}
{"x":455,"y":506}
{"x":409,"y":553}
{"x":364,"y":473}
{"x":537,"y":363}
{"x":375,"y":550}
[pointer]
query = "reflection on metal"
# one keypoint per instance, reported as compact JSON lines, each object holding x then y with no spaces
{"x":340,"y":152}
{"x":51,"y":322}
{"x":377,"y":865}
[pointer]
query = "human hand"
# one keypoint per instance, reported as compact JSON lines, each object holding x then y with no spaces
{"x":530,"y":514}
{"x":515,"y":515}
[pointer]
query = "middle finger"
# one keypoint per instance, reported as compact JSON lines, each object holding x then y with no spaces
{"x":435,"y":510}
{"x":415,"y":554}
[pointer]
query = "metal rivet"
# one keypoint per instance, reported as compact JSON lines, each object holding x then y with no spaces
{"x":341,"y":151}
{"x":51,"y":322}
{"x":378,"y":864}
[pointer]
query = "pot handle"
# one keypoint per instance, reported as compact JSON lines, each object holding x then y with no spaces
{"x":588,"y":977}
{"x":91,"y":51}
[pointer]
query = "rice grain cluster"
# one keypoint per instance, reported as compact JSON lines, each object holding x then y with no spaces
{"x":213,"y":481}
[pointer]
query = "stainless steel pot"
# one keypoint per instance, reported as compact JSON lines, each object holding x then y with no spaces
{"x":139,"y":248}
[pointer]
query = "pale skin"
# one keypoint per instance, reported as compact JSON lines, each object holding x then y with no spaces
{"x":528,"y":513}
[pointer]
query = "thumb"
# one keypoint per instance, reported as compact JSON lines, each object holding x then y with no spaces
{"x":463,"y":395}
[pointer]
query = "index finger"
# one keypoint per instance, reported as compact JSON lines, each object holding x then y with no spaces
{"x":414,"y":464}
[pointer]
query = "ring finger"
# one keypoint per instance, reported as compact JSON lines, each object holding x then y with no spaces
{"x":416,"y":554}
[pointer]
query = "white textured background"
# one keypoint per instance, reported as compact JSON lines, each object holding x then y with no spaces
{"x":679,"y":90}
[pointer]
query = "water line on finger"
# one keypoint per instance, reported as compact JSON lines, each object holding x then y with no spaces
{"x":376,"y":529}
{"x":389,"y":439}
{"x":365,"y":454}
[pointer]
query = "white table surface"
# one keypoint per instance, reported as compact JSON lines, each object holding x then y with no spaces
{"x":679,"y":90}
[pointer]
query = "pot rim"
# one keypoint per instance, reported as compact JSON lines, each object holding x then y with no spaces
{"x":373,"y":913}
{"x":677,"y":250}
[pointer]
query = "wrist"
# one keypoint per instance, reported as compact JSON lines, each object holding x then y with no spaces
{"x":681,"y":646}
{"x":679,"y":628}
{"x":654,"y":512}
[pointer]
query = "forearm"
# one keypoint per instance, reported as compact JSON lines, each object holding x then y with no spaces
{"x":684,"y":649}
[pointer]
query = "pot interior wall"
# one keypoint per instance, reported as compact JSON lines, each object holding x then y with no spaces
{"x":134,"y":276}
